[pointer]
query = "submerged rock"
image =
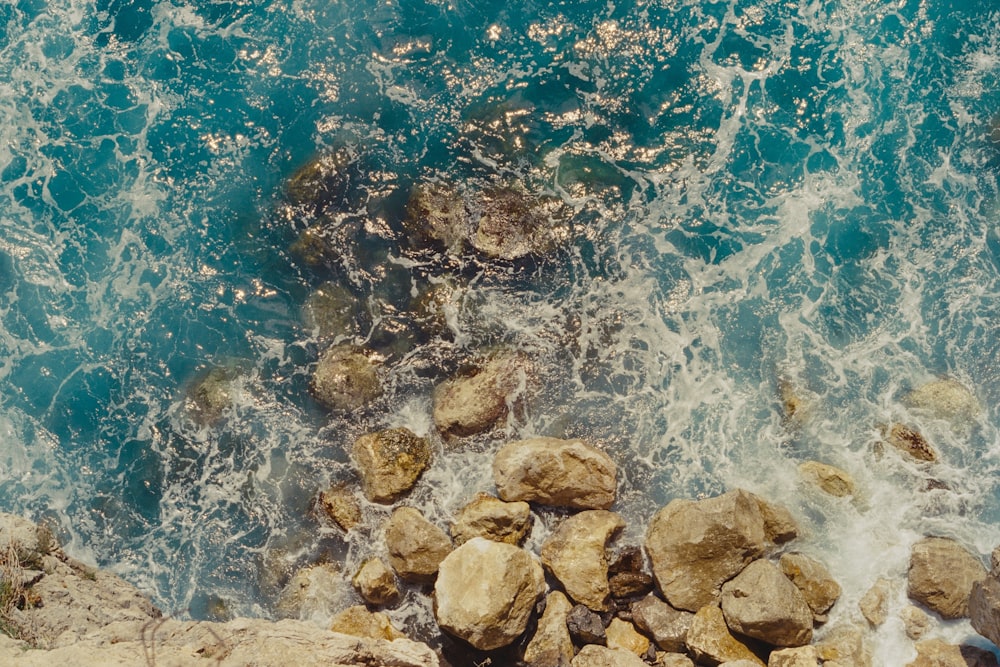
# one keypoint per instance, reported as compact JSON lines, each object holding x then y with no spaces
{"x":357,"y":621}
{"x":812,"y":578}
{"x":416,"y":546}
{"x":345,"y":379}
{"x":486,"y":591}
{"x":551,"y":646}
{"x":945,"y":399}
{"x":551,"y":471}
{"x":321,"y":180}
{"x":331,"y":312}
{"x":915,"y":622}
{"x":512,"y":223}
{"x":475,"y":403}
{"x":909,"y":441}
{"x":339,"y":504}
{"x":830,"y":479}
{"x":436,"y":307}
{"x":667,"y":626}
{"x":762,"y":603}
{"x":436,"y":214}
{"x":493,"y":519}
{"x":390,"y":462}
{"x":376,"y":583}
{"x":795,"y":405}
{"x":575,"y":555}
{"x":710,"y":641}
{"x":210,"y":395}
{"x":941,"y":576}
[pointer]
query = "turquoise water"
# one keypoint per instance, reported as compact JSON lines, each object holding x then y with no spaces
{"x":759,"y":190}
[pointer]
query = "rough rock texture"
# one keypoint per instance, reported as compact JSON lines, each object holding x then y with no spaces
{"x":802,"y":656}
{"x":345,"y":379}
{"x":695,"y":546}
{"x":493,"y":519}
{"x":475,"y":403}
{"x":238,"y":643}
{"x":830,"y":479}
{"x":313,"y":591}
{"x":357,"y":621}
{"x":874,"y":604}
{"x":340,"y":505}
{"x":436,"y":214}
{"x":941,"y":576}
{"x":844,"y":645}
{"x":936,"y":653}
{"x":915,"y":622}
{"x":667,"y":626}
{"x":512,"y":223}
{"x":593,"y":655}
{"x":910,"y":442}
{"x":376,"y":583}
{"x":585,"y":626}
{"x":390,"y":462}
{"x":551,"y":645}
{"x":575,"y":555}
{"x":710,"y":641}
{"x":416,"y":546}
{"x":673,"y":660}
{"x":563,"y":473}
{"x":627,"y":576}
{"x":622,"y":634}
{"x":485,"y":592}
{"x":814,"y":580}
{"x":210,"y":395}
{"x":984,"y":606}
{"x":762,"y":603}
{"x":330,"y":312}
{"x":945,"y":399}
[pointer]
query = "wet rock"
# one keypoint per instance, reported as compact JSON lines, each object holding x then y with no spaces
{"x":592,"y":655}
{"x":667,"y":626}
{"x":575,"y":555}
{"x":331,"y":243}
{"x":941,"y":576}
{"x":936,"y":653}
{"x":551,"y":646}
{"x":436,"y":307}
{"x":357,"y":621}
{"x":513,"y":224}
{"x":802,"y":656}
{"x":796,"y":407}
{"x":376,"y":583}
{"x":562,"y":473}
{"x":984,"y":604}
{"x":493,"y":519}
{"x":829,"y":479}
{"x":345,"y":379}
{"x":390,"y":462}
{"x":340,"y":505}
{"x":211,"y":395}
{"x":321,"y":180}
{"x":626,"y":574}
{"x":762,"y":603}
{"x":486,"y":591}
{"x":436,"y":214}
{"x":945,"y":399}
{"x":475,"y":403}
{"x":622,"y":634}
{"x":710,"y":641}
{"x":315,"y":590}
{"x":844,"y":645}
{"x":909,"y":441}
{"x":585,"y":626}
{"x":915,"y":622}
{"x":813,"y":579}
{"x":331,"y":312}
{"x":695,"y":546}
{"x":874,"y":604}
{"x":416,"y":546}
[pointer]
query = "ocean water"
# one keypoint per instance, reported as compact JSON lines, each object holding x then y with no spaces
{"x":760,"y":192}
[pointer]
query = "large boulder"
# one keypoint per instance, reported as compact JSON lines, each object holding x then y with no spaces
{"x":375,"y":582}
{"x":945,"y":399}
{"x":814,"y":580}
{"x":845,"y":645}
{"x":331,"y":312}
{"x":513,"y":224}
{"x":390,"y":462}
{"x":551,"y":646}
{"x":941,"y":575}
{"x":937,"y":653}
{"x":492,"y":518}
{"x":345,"y":379}
{"x":801,"y":656}
{"x":476,"y":402}
{"x":710,"y":641}
{"x":416,"y":546}
{"x":696,"y":546}
{"x":575,"y":555}
{"x":984,"y":605}
{"x":667,"y":626}
{"x":761,"y":602}
{"x":436,"y":214}
{"x":551,"y":471}
{"x":486,"y":591}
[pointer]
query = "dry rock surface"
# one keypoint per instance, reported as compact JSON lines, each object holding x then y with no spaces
{"x":390,"y":462}
{"x":761,"y":602}
{"x":493,"y":519}
{"x":562,"y":473}
{"x":942,"y":573}
{"x":575,"y":555}
{"x":416,"y":546}
{"x":551,"y":644}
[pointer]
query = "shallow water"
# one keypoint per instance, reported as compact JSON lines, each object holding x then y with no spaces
{"x":760,"y":190}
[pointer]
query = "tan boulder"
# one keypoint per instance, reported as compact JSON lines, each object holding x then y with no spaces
{"x":593,"y":655}
{"x":984,"y":603}
{"x":710,"y":641}
{"x":622,"y":634}
{"x":667,"y":626}
{"x":941,"y":575}
{"x":474,"y":403}
{"x":563,"y":473}
{"x":915,"y":622}
{"x":345,"y":379}
{"x":761,"y":602}
{"x":486,"y":591}
{"x":357,"y":621}
{"x":829,"y":479}
{"x":390,"y":462}
{"x":814,"y":580}
{"x":909,"y":441}
{"x":375,"y":582}
{"x":945,"y":399}
{"x":844,"y":645}
{"x":673,"y":660}
{"x":339,"y":504}
{"x":416,"y":546}
{"x":801,"y":656}
{"x":551,"y":646}
{"x":937,"y":653}
{"x":874,"y":604}
{"x":575,"y":555}
{"x":493,"y":519}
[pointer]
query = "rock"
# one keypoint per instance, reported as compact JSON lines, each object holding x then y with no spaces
{"x":339,"y":505}
{"x":574,"y":554}
{"x":802,"y":656}
{"x":210,"y":395}
{"x":493,"y":519}
{"x":710,"y":641}
{"x":622,"y":634}
{"x":331,"y":243}
{"x":626,"y":574}
{"x":874,"y":604}
{"x":436,"y":214}
{"x":696,"y":546}
{"x":331,"y":312}
{"x":667,"y":626}
{"x":936,"y":653}
{"x":845,"y":646}
{"x":829,"y":479}
{"x":984,"y":606}
{"x":941,"y":576}
{"x":585,"y":626}
{"x":814,"y":580}
{"x":673,"y":660}
{"x":761,"y":602}
{"x":551,"y":646}
{"x":390,"y":462}
{"x":315,"y":590}
{"x":562,"y":473}
{"x":910,"y":442}
{"x":437,"y":306}
{"x":30,"y":543}
{"x":945,"y":399}
{"x":345,"y":379}
{"x":593,"y":655}
{"x":321,"y":180}
{"x":485,"y":592}
{"x":915,"y":622}
{"x":796,"y":408}
{"x":416,"y":546}
{"x":471,"y":404}
{"x":513,"y":224}
{"x":357,"y":621}
{"x":779,"y":525}
{"x":376,"y":583}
